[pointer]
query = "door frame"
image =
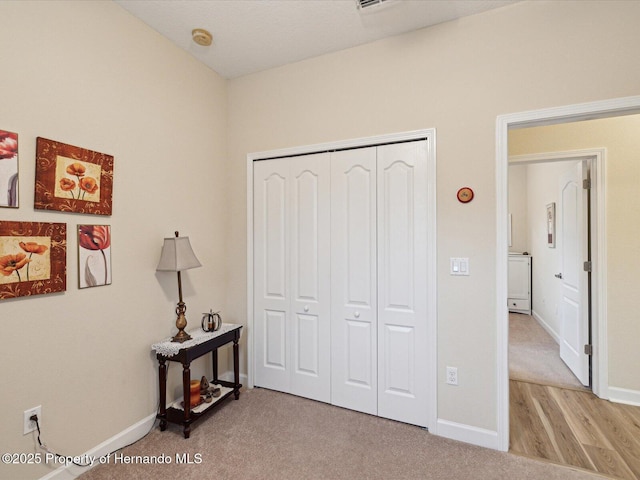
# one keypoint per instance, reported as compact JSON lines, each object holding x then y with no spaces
{"x":428,"y":134}
{"x":549,"y":116}
{"x":596,"y":159}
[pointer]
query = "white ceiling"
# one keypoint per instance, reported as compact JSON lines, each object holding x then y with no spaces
{"x":254,"y":35}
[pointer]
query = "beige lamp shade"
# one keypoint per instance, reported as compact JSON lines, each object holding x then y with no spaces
{"x":177,"y":255}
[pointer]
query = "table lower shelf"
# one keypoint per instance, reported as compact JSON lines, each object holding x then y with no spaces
{"x":224,"y":393}
{"x":175,"y":411}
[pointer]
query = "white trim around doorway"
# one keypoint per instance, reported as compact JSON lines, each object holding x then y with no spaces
{"x":571,"y":113}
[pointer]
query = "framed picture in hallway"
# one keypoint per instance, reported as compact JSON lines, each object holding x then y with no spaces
{"x":551,"y":225}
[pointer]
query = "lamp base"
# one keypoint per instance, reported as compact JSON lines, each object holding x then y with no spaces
{"x":181,"y":322}
{"x":181,"y":337}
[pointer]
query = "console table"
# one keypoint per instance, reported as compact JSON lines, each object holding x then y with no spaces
{"x":201,"y":343}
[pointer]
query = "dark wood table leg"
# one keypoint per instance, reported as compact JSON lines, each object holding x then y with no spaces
{"x":162,"y":375}
{"x":186,"y":390}
{"x":236,"y":368}
{"x":214,"y":360}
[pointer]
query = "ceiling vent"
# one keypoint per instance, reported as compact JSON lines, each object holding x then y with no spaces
{"x":365,"y":4}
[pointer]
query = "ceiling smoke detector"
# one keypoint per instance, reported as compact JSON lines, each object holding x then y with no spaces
{"x":201,"y":37}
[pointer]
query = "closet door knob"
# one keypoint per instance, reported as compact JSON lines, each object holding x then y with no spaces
{"x":306,"y":308}
{"x":357,"y":314}
{"x":558,"y":275}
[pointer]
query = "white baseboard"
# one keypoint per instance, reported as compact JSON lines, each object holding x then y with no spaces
{"x":468,"y":434}
{"x":547,"y":327}
{"x":122,"y":439}
{"x":129,"y":435}
{"x":623,"y":395}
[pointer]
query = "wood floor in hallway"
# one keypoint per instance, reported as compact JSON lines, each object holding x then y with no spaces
{"x":576,"y":428}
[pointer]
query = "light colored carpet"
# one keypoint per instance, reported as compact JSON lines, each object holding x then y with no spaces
{"x":534,"y":356}
{"x":270,"y":435}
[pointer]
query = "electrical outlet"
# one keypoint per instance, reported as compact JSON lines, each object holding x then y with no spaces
{"x":452,"y":375}
{"x":30,"y":425}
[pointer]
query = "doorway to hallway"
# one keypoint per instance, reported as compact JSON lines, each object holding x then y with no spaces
{"x":553,"y":116}
{"x":550,"y":205}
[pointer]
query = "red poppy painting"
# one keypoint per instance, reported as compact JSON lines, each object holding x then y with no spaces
{"x":72,"y":179}
{"x":94,"y":255}
{"x":8,"y":169}
{"x":32,"y":258}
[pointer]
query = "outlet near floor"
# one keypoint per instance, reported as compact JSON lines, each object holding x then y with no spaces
{"x":30,"y":425}
{"x":452,"y":375}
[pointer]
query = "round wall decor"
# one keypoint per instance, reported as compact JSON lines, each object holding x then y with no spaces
{"x":465,"y":195}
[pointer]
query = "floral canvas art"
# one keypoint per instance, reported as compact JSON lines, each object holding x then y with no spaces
{"x":32,"y":258}
{"x":72,"y":179}
{"x":8,"y":169}
{"x":94,"y":255}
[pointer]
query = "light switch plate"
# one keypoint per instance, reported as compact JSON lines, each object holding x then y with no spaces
{"x":459,"y":266}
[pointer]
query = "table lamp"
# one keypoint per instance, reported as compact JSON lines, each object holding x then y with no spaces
{"x":177,"y":255}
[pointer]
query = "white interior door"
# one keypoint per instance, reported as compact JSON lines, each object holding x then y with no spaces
{"x":402,"y":282}
{"x":572,"y":235}
{"x":310,"y":277}
{"x":271,"y":267}
{"x":354,"y":349}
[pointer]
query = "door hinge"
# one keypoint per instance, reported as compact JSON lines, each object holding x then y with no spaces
{"x":588,"y":349}
{"x":586,"y":183}
{"x":587,"y":266}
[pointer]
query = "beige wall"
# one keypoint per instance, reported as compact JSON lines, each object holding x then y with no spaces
{"x":457,"y":77}
{"x":89,"y":74}
{"x":622,"y":175}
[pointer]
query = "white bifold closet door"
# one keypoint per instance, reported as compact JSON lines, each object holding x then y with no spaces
{"x":402,"y":283}
{"x":379,"y":334}
{"x":291,"y":275}
{"x":354,"y":287}
{"x":340,"y":278}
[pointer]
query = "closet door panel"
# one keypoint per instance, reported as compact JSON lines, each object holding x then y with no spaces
{"x":398,"y":235}
{"x":353,"y":280}
{"x":275,"y":326}
{"x":271,"y":264}
{"x":359,"y":352}
{"x":399,"y":366}
{"x":310,"y":276}
{"x":402,"y":282}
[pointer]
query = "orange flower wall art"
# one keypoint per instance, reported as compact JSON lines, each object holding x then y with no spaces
{"x":94,"y":255}
{"x":72,"y":179}
{"x":32,"y":258}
